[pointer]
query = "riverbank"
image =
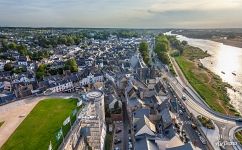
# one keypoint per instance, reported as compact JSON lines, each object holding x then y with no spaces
{"x":237,"y":42}
{"x":208,"y":85}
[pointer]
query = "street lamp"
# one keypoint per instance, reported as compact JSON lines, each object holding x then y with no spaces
{"x":221,"y":136}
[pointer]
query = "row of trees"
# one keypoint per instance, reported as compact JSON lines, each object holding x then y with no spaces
{"x":69,"y":39}
{"x":162,"y":48}
{"x":44,"y":70}
{"x":53,"y":41}
{"x":143,"y":49}
{"x":71,"y":65}
{"x":22,"y":49}
{"x":10,"y":67}
{"x":39,"y":55}
{"x":41,"y":71}
{"x":176,"y":44}
{"x":126,"y":33}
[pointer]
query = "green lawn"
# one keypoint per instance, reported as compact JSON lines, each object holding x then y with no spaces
{"x":41,"y":125}
{"x":238,"y":135}
{"x":208,"y":85}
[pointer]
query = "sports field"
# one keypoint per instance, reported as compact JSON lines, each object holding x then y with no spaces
{"x":41,"y":125}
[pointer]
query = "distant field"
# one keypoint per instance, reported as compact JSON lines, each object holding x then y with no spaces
{"x":41,"y":125}
{"x":209,"y":86}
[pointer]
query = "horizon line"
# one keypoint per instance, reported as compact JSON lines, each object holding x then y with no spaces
{"x":139,"y":28}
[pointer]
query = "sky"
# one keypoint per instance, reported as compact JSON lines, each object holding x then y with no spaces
{"x":122,"y":13}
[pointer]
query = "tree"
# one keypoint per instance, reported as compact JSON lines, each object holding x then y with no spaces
{"x":5,"y":44}
{"x":176,"y":44}
{"x":70,"y":41}
{"x":162,"y":48}
{"x":19,"y":70}
{"x":22,"y":49}
{"x":184,"y":43}
{"x":143,"y":48}
{"x":8,"y":67}
{"x":41,"y":71}
{"x":12,"y":46}
{"x":39,"y":55}
{"x":71,"y":65}
{"x":60,"y":71}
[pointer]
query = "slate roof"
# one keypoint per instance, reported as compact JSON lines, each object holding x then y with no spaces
{"x":141,"y":112}
{"x":186,"y":146}
{"x":144,"y":143}
{"x":141,"y":122}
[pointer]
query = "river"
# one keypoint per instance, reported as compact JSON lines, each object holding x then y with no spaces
{"x":225,"y":61}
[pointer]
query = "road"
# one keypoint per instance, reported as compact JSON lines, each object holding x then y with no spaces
{"x":125,"y":125}
{"x":186,"y":122}
{"x":126,"y":120}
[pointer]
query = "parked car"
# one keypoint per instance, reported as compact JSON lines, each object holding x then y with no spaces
{"x":198,"y":132}
{"x":184,"y":97}
{"x":194,"y":126}
{"x":203,"y":140}
{"x":118,"y":130}
{"x":116,"y":148}
{"x":116,"y":141}
{"x":186,"y":139}
{"x":130,"y":145}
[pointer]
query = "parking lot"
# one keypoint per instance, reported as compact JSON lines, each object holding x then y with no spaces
{"x":118,"y":135}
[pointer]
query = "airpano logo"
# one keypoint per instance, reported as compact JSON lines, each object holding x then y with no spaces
{"x":223,"y":143}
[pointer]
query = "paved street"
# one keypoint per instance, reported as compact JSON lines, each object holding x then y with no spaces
{"x":125,"y":124}
{"x":118,"y":135}
{"x":186,"y":123}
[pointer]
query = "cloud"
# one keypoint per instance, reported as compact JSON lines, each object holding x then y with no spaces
{"x":121,"y":13}
{"x":191,"y":5}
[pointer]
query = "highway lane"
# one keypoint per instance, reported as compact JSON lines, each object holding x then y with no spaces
{"x":196,"y":107}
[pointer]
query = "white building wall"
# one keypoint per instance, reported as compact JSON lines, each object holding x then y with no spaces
{"x":109,"y":77}
{"x":22,"y":63}
{"x":62,"y":87}
{"x":91,"y":79}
